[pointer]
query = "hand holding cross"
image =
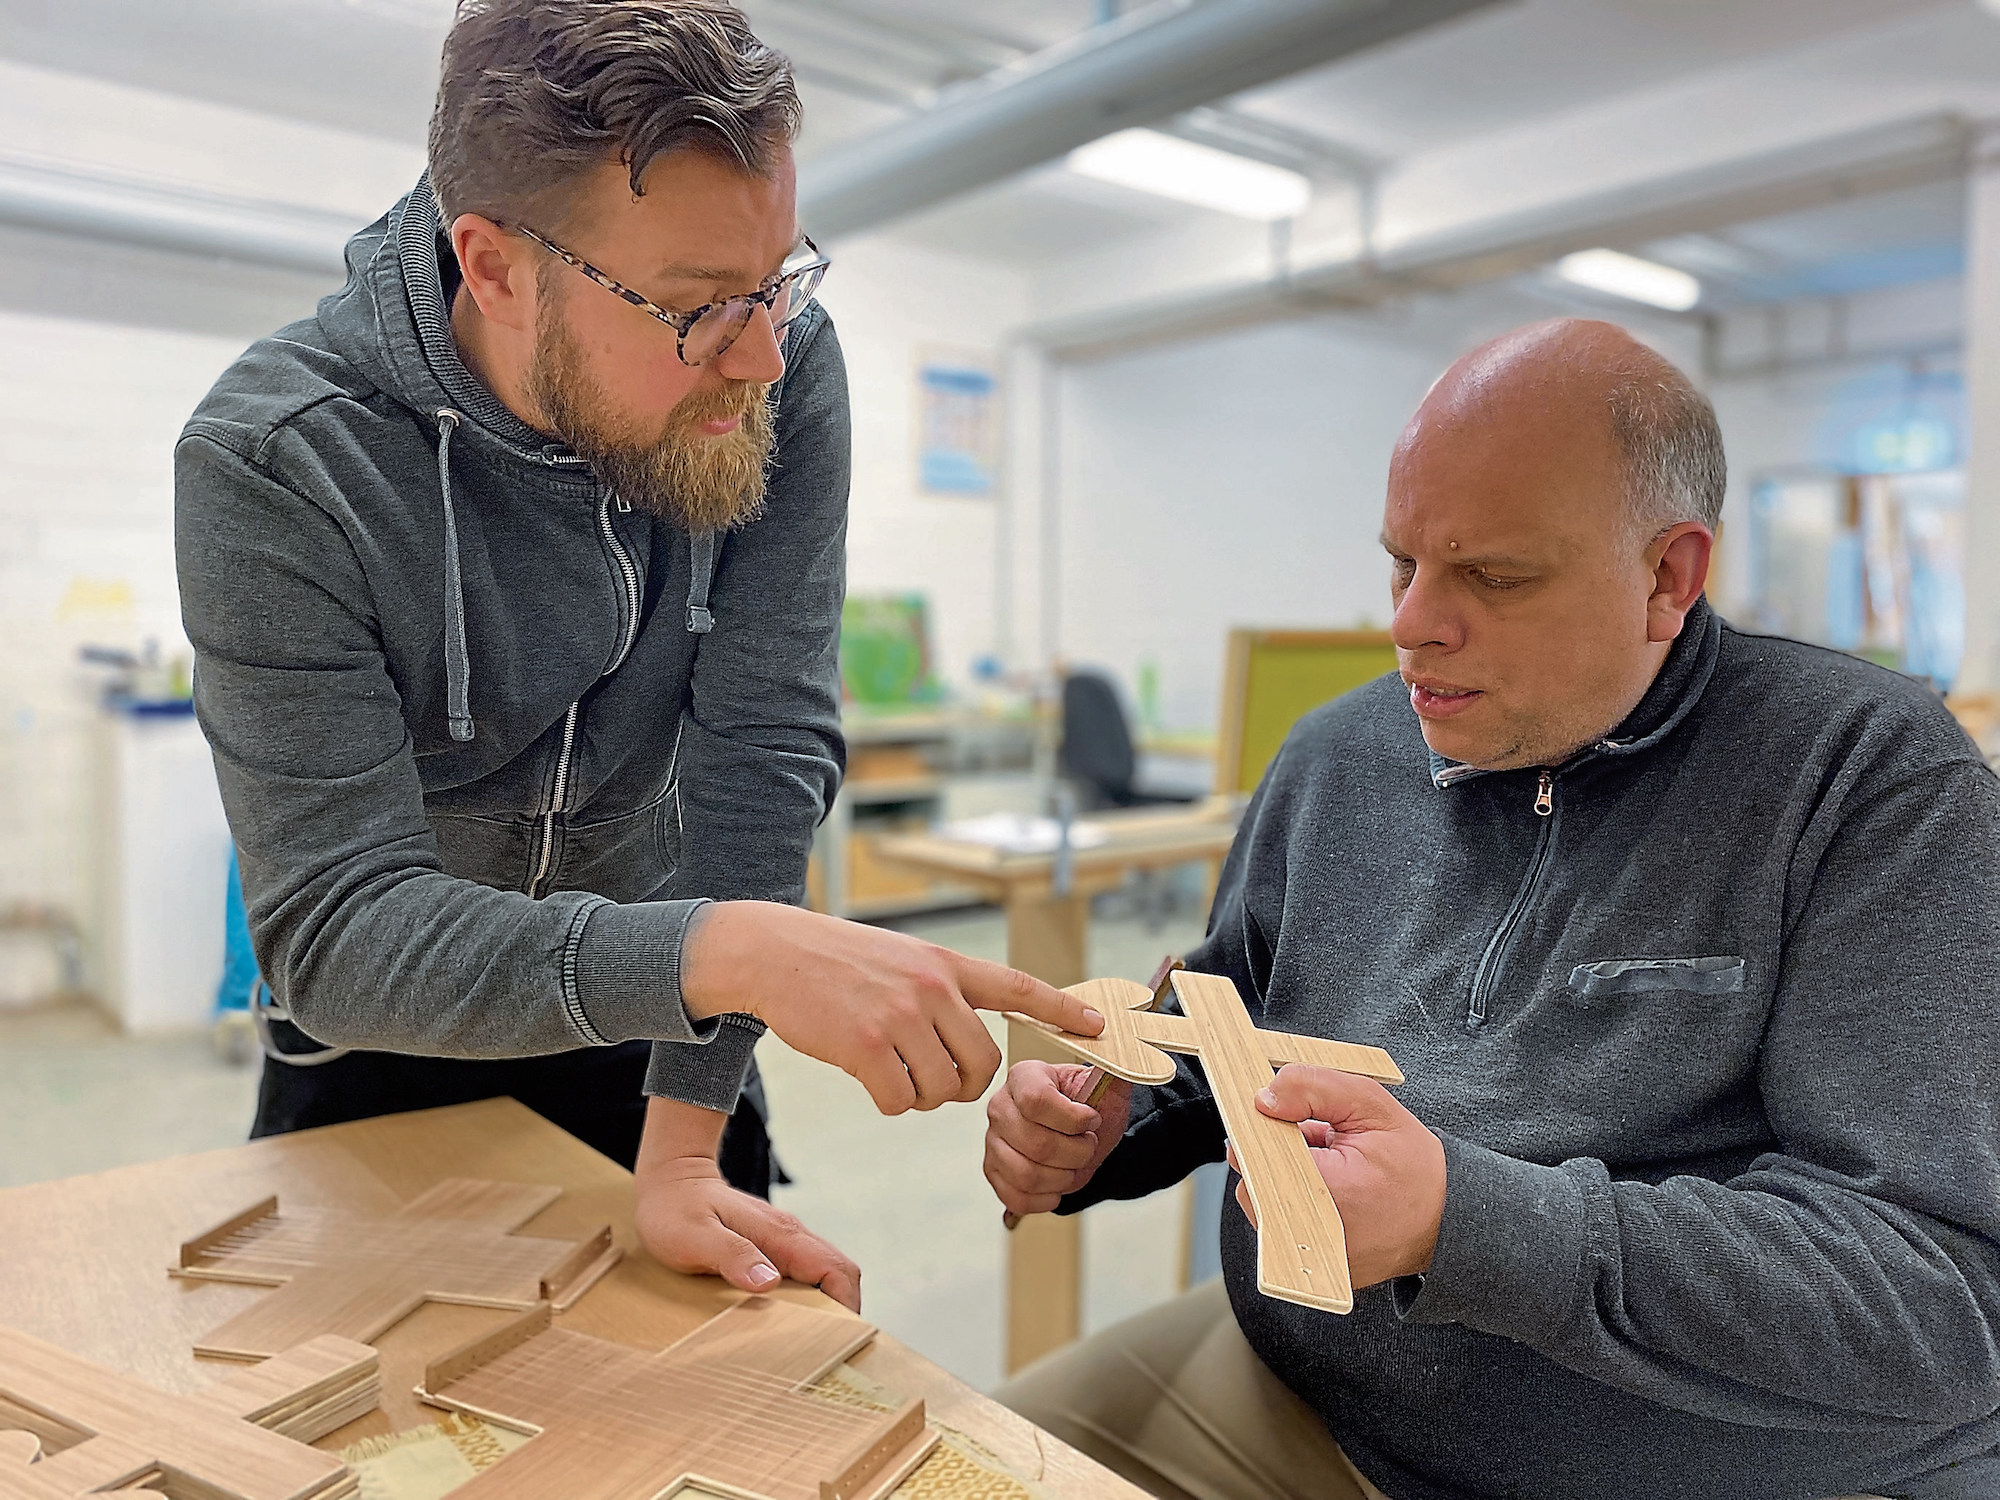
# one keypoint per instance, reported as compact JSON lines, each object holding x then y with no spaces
{"x":1301,"y":1254}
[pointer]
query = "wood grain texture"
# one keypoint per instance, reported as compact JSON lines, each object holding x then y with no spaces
{"x":725,"y":1409}
{"x":1301,"y":1246}
{"x":354,"y":1276}
{"x":99,"y":1431}
{"x":111,"y":1232}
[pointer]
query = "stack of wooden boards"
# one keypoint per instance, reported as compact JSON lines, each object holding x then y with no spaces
{"x":74,"y":1428}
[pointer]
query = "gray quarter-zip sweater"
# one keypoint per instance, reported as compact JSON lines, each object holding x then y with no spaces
{"x":485,"y":737}
{"x":1709,"y":1023}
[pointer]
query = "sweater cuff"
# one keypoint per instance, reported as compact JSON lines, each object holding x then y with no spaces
{"x":710,"y":1072}
{"x":1510,"y":1248}
{"x":627,"y":974}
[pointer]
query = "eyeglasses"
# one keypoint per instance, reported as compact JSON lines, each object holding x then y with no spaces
{"x":706,"y":332}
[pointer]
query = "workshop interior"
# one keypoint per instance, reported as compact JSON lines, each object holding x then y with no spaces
{"x":1267,"y":720}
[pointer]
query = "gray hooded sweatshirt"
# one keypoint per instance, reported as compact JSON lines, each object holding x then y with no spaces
{"x":1708,"y":1019}
{"x":485,"y":736}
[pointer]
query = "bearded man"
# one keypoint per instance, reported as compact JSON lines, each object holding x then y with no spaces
{"x":514,"y":579}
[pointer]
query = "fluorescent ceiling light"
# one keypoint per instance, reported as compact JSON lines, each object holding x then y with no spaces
{"x":1628,"y":276}
{"x":1193,"y":173}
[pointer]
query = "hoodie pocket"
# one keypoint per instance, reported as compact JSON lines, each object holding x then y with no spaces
{"x":1638,"y":976}
{"x":621,"y":856}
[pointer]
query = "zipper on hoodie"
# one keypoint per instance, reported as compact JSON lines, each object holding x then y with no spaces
{"x":628,"y":575}
{"x":1487,"y":975}
{"x":557,"y":797}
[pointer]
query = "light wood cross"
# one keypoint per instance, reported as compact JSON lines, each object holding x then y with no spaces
{"x":69,"y":1428}
{"x":1301,"y":1247}
{"x":724,"y":1411}
{"x":353,"y":1276}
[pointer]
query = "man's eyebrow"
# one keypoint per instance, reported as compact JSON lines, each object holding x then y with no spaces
{"x":1483,"y":559}
{"x":719,"y":273}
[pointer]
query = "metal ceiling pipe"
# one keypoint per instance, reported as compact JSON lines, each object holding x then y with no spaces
{"x":1140,"y":69}
{"x":61,"y":200}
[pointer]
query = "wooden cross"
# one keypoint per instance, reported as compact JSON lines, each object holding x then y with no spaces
{"x":1301,"y":1247}
{"x":70,"y":1428}
{"x":725,"y":1410}
{"x":358,"y":1277}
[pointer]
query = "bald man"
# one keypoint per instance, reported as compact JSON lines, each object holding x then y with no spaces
{"x":1689,"y":942}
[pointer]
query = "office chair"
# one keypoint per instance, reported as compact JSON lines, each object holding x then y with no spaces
{"x":1097,"y":752}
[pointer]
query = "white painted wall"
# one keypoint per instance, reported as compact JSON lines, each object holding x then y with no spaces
{"x":88,"y":416}
{"x":895,"y":303}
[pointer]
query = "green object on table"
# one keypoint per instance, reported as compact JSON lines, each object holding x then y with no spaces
{"x":885,"y":656}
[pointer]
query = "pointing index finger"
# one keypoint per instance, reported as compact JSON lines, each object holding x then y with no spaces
{"x":990,"y":986}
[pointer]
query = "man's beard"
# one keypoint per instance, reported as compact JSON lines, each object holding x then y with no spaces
{"x":701,"y":483}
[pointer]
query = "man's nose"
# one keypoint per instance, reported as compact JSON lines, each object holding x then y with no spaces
{"x":755,"y":356}
{"x":1424,"y":615}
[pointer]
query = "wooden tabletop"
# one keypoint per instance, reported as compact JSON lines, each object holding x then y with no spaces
{"x":1136,"y":839}
{"x":83,"y":1264}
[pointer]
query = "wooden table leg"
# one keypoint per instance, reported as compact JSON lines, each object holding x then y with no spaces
{"x":1045,"y":938}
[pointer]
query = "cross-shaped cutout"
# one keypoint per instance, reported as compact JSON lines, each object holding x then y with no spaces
{"x":1301,"y":1247}
{"x":69,"y":1428}
{"x":358,"y":1277}
{"x":726,"y":1411}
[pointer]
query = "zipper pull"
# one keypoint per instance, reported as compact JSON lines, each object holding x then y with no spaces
{"x":1545,"y":796}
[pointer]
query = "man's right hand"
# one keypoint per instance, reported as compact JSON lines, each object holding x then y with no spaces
{"x":1040,"y":1142}
{"x":891,"y":1010}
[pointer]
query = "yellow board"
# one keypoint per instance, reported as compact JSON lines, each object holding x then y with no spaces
{"x":1276,"y":677}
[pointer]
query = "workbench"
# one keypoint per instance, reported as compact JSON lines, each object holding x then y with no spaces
{"x":83,"y":1265}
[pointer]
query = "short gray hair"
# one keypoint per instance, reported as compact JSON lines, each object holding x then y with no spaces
{"x":1666,"y":429}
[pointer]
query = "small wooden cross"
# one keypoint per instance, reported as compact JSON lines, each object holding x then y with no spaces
{"x":358,"y":1277}
{"x":1301,"y":1247}
{"x":725,"y":1410}
{"x":78,"y":1429}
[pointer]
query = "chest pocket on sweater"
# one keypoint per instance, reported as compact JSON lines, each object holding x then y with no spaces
{"x":1638,"y":976}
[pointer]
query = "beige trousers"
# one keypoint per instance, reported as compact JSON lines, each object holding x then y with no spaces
{"x":1175,"y":1401}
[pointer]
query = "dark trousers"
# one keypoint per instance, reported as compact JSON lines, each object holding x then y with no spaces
{"x":594,"y":1094}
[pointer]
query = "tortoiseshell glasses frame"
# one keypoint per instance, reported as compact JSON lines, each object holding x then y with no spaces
{"x":711,"y":328}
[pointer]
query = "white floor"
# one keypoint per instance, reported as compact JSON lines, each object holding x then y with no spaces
{"x":903,"y":1196}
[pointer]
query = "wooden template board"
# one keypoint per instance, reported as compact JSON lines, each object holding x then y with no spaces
{"x":70,"y":1428}
{"x":1275,"y":677}
{"x":338,"y":1273}
{"x":724,"y":1410}
{"x":111,"y":1232}
{"x":1301,"y":1247}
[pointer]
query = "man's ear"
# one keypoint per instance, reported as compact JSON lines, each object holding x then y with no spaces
{"x":1679,"y":557}
{"x":499,"y":271}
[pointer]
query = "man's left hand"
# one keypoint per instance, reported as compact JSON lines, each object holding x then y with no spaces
{"x":1383,"y":1167}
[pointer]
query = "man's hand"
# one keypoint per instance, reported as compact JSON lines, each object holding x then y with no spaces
{"x":1041,"y":1142}
{"x":691,"y":1220}
{"x":894,"y":1012}
{"x":1384,"y":1168}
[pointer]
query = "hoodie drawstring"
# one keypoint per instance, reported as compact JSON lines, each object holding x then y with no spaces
{"x":457,"y":660}
{"x":701,"y":559}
